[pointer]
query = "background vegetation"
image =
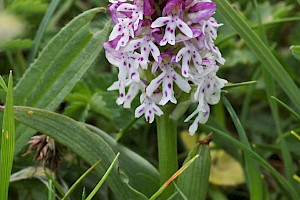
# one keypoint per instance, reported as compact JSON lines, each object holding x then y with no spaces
{"x":58,"y":65}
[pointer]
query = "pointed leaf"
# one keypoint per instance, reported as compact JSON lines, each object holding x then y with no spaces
{"x":88,"y":145}
{"x":7,"y":141}
{"x":59,"y":67}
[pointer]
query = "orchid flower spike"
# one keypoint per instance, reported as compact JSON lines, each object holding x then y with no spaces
{"x":176,"y":39}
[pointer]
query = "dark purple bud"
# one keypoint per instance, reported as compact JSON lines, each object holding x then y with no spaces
{"x":149,"y":7}
{"x":113,"y":43}
{"x":173,"y":5}
{"x":201,"y":11}
{"x":157,"y":34}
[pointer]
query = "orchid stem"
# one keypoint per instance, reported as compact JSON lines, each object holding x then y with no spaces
{"x":167,"y":149}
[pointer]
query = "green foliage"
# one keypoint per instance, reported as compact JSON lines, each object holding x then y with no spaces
{"x":59,"y":65}
{"x":193,"y":183}
{"x":7,"y":141}
{"x":296,"y":51}
{"x":57,"y":69}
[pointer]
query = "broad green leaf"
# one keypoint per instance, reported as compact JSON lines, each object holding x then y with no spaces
{"x":262,"y":52}
{"x":193,"y":183}
{"x":296,"y":51}
{"x":59,"y":67}
{"x":7,"y":141}
{"x":88,"y":145}
{"x":142,"y":175}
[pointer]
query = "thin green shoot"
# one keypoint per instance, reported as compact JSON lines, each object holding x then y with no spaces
{"x":297,"y":178}
{"x":234,"y":85}
{"x":95,"y":190}
{"x":180,"y":192}
{"x":37,"y":40}
{"x":173,"y":177}
{"x":79,"y":180}
{"x":54,"y":183}
{"x":2,"y":84}
{"x":286,"y":107}
{"x":296,"y":135}
{"x":51,"y":190}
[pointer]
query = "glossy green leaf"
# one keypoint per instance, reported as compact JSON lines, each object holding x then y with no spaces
{"x":262,"y":52}
{"x":57,"y":69}
{"x":88,"y":145}
{"x":7,"y":141}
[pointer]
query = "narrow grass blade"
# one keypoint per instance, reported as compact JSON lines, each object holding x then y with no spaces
{"x":83,"y":195}
{"x":289,"y":191}
{"x":179,"y":192}
{"x":54,"y":183}
{"x":296,"y":135}
{"x":297,"y":178}
{"x":173,"y":177}
{"x":262,"y":52}
{"x":7,"y":141}
{"x":222,"y":39}
{"x":51,"y":190}
{"x":2,"y":84}
{"x":79,"y":180}
{"x":287,"y":107}
{"x":92,"y":194}
{"x":287,"y":159}
{"x":248,"y":96}
{"x":37,"y":40}
{"x":252,"y":170}
{"x":234,"y":85}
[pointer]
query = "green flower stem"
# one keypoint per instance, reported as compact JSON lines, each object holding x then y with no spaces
{"x":167,"y":149}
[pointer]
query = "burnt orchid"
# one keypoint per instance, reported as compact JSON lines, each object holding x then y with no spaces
{"x":175,"y":38}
